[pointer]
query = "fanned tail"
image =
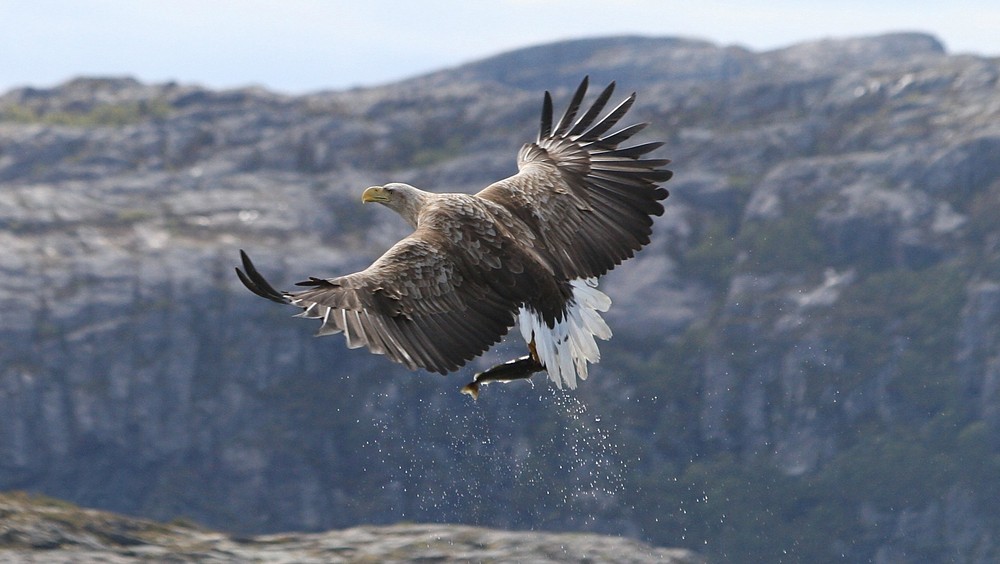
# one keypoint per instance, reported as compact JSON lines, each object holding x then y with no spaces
{"x":566,"y":348}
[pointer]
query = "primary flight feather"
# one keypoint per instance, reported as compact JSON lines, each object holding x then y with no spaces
{"x":527,"y":249}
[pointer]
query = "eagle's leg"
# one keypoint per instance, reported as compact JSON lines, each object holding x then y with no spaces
{"x":516,"y":369}
{"x":534,"y":351}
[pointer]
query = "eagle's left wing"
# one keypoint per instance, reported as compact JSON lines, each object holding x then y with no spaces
{"x":590,"y":202}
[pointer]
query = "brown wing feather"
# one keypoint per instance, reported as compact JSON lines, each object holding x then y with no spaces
{"x":590,"y":202}
{"x":417,"y":304}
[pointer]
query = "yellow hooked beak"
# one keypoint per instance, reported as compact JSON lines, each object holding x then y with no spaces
{"x":374,"y":194}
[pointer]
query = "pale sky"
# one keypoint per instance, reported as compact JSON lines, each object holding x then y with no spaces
{"x":297,"y":46}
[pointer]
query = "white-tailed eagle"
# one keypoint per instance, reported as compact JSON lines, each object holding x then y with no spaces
{"x":527,"y":249}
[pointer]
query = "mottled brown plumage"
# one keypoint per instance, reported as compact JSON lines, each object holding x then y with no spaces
{"x":526,"y":246}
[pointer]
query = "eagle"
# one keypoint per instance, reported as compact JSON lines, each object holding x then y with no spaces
{"x":526,"y":250}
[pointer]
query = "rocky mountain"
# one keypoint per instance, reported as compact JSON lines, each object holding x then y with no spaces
{"x":806,"y":359}
{"x":44,"y":530}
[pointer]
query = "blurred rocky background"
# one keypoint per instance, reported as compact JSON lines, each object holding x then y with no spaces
{"x":806,"y":362}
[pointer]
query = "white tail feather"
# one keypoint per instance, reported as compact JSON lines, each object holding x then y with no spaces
{"x":566,"y":348}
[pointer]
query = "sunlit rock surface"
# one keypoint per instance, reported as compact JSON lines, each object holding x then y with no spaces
{"x":47,"y":530}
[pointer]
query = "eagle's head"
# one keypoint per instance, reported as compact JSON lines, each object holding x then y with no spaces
{"x":404,"y":199}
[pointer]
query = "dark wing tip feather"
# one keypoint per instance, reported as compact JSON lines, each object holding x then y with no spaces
{"x":313,"y":282}
{"x":633,"y":152}
{"x":256,"y":283}
{"x":623,"y":134}
{"x":609,"y":121}
{"x":573,"y":107}
{"x":595,"y":108}
{"x":546,"y":127}
{"x":660,"y":175}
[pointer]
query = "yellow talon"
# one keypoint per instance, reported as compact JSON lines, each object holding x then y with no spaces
{"x":534,"y":351}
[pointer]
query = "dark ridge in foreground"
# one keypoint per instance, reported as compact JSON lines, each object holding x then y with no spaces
{"x":38,"y":529}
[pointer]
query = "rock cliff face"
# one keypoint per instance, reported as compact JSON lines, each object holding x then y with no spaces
{"x":805,"y":362}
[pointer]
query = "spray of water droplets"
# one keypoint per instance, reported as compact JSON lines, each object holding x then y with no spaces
{"x":520,"y":457}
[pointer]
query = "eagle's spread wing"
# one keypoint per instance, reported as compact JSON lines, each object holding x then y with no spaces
{"x":590,"y":202}
{"x":413,"y":304}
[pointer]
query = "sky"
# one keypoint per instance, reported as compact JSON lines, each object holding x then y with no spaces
{"x":297,"y":46}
